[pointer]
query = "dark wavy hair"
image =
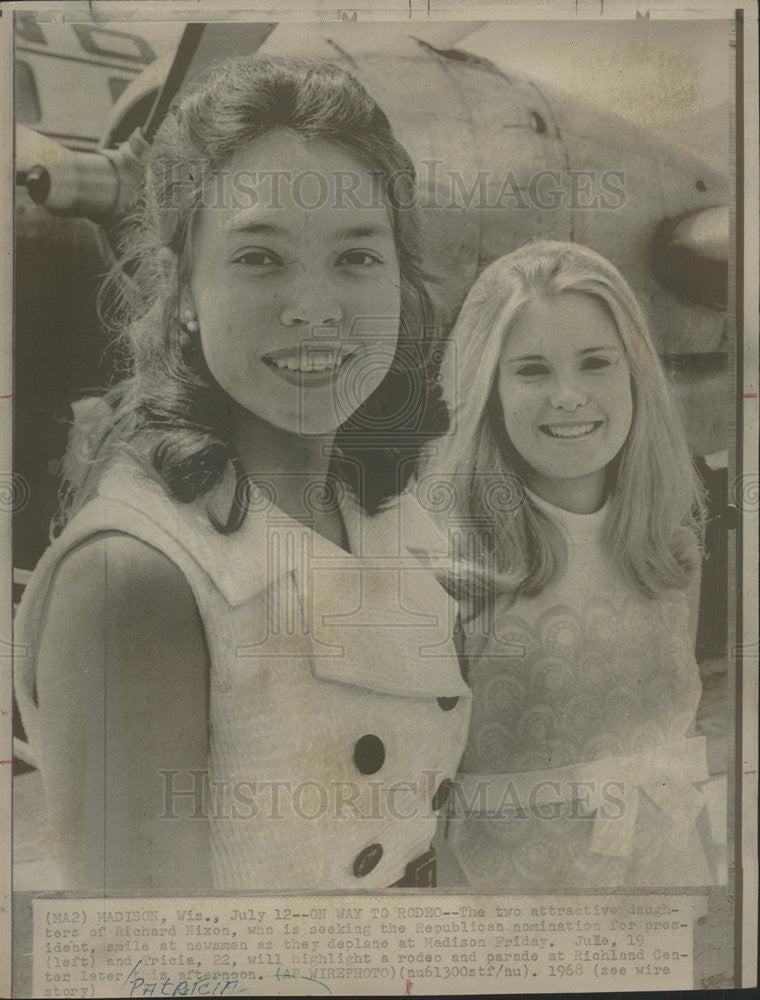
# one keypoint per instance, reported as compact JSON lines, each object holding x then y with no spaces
{"x":168,"y":409}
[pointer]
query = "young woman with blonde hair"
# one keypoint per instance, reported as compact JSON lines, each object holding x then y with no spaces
{"x":581,"y":514}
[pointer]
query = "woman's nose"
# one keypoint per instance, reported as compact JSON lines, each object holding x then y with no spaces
{"x":567,"y":395}
{"x":310,"y":303}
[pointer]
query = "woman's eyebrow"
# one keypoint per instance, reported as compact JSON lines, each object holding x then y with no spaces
{"x":252,"y":227}
{"x":526,"y":357}
{"x":363,"y":231}
{"x":593,"y":350}
{"x":255,"y":228}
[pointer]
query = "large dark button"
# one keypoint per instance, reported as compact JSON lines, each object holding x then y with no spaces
{"x":442,"y":794}
{"x":448,"y":703}
{"x":369,"y":754}
{"x":367,"y":859}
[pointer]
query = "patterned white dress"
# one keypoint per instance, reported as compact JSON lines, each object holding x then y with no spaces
{"x":579,"y":770}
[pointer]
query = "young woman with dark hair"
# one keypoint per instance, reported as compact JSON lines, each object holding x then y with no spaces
{"x":240,"y":673}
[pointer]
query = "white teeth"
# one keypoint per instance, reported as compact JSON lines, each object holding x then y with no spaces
{"x":313,"y":362}
{"x":574,"y":431}
{"x":321,"y":362}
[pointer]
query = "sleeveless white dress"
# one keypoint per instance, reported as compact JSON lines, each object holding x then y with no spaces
{"x":336,"y":698}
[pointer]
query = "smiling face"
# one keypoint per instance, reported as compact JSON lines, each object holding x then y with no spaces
{"x":565,"y":389}
{"x":296,"y":286}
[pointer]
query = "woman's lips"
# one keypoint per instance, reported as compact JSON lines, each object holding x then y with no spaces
{"x":308,"y":358}
{"x":571,"y":430}
{"x":309,"y":365}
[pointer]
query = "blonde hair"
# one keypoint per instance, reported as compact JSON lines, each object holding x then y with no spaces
{"x":654,"y":528}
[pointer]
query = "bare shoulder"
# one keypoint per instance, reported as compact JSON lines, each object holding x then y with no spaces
{"x":111,"y":569}
{"x":117,"y":589}
{"x":119,"y":560}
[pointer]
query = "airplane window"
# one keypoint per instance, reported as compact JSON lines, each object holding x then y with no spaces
{"x":27,"y":28}
{"x":28,"y":110}
{"x":119,"y":44}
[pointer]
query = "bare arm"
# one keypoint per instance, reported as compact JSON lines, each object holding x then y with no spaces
{"x":122,"y":679}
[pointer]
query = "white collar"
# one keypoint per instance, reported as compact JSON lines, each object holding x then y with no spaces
{"x":270,"y":543}
{"x":579,"y":528}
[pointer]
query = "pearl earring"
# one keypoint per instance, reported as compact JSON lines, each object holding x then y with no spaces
{"x":190,"y":321}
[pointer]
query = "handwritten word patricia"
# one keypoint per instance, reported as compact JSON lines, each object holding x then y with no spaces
{"x":203,"y":986}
